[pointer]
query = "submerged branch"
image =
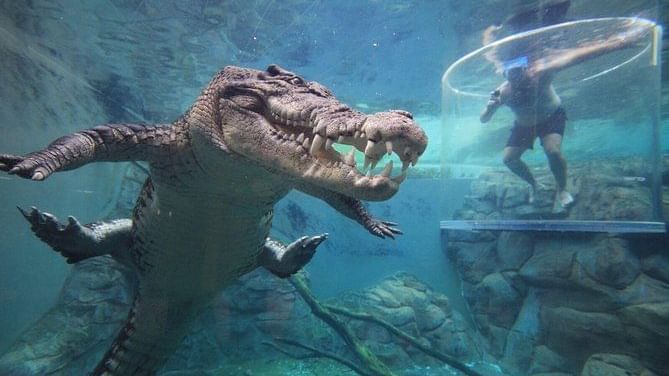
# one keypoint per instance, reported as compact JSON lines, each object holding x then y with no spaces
{"x":370,"y":361}
{"x":316,"y":353}
{"x":451,"y":361}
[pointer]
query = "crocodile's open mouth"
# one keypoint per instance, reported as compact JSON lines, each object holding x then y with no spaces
{"x":317,"y":137}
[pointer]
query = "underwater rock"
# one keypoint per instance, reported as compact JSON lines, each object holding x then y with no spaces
{"x":422,"y":313}
{"x":513,"y":249}
{"x":546,"y":360}
{"x":657,"y":266}
{"x":495,"y":296}
{"x":474,"y":261}
{"x":579,"y":333}
{"x":614,"y":365}
{"x":70,"y":338}
{"x":573,"y":295}
{"x":258,"y":308}
{"x":609,"y":262}
{"x":550,"y":265}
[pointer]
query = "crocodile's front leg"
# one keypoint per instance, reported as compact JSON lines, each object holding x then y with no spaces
{"x":78,"y":242}
{"x":354,"y":209}
{"x":111,"y":142}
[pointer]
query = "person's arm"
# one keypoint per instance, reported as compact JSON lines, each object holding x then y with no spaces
{"x":566,"y":58}
{"x":491,"y":107}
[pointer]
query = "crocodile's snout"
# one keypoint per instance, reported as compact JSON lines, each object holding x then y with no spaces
{"x":301,"y":130}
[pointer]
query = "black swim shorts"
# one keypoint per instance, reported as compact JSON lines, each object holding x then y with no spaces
{"x":523,"y":137}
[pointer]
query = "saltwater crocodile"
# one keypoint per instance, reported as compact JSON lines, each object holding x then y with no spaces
{"x":203,"y":216}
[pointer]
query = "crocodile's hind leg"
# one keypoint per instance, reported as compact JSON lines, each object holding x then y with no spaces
{"x":284,"y":261}
{"x":78,"y":242}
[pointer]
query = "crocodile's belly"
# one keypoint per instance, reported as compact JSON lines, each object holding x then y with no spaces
{"x":190,"y":247}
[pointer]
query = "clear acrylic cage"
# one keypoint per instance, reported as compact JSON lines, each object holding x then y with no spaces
{"x":611,"y":141}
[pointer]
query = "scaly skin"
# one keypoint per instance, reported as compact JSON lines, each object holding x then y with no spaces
{"x":203,"y":216}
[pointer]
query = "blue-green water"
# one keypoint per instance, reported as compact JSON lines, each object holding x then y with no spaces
{"x":500,"y":302}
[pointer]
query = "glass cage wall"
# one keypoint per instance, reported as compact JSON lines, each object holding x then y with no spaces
{"x":604,"y":74}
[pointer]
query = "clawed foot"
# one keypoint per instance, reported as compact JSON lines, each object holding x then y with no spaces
{"x":298,"y":254}
{"x":383,"y":229}
{"x":68,"y":239}
{"x":29,"y":167}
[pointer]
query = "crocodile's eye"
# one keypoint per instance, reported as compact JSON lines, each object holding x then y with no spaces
{"x":296,"y":81}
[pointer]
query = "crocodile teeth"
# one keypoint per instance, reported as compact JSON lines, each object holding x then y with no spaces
{"x":292,"y":137}
{"x":387,"y":170}
{"x":317,"y":144}
{"x":300,"y":138}
{"x":328,"y":143}
{"x":368,"y":161}
{"x":349,"y":158}
{"x":340,"y":139}
{"x":320,"y":126}
{"x":369,"y":147}
{"x":305,"y":144}
{"x":389,"y":147}
{"x":399,"y":178}
{"x":356,"y":134}
{"x":405,"y":165}
{"x":311,"y":171}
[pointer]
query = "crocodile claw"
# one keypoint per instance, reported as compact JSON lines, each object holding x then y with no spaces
{"x":298,"y":254}
{"x":68,"y":239}
{"x":29,"y":167}
{"x":383,"y":229}
{"x":306,"y":243}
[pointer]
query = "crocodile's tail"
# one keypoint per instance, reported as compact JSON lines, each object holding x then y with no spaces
{"x":149,"y":336}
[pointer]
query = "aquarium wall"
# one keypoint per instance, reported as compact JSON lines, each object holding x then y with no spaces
{"x":489,"y":302}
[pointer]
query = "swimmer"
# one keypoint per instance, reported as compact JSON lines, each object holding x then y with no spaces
{"x":529,"y":93}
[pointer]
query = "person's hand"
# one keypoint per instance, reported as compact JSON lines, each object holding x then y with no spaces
{"x":495,"y":99}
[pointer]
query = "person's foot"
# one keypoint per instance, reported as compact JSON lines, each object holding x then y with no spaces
{"x":565,"y":199}
{"x":534,"y":190}
{"x":531,"y":194}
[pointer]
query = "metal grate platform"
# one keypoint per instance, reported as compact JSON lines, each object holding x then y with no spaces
{"x":556,"y":225}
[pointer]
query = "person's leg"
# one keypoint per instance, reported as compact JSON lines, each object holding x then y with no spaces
{"x":552,"y":144}
{"x":512,"y":160}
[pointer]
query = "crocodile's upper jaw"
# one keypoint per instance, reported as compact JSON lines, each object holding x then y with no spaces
{"x":289,"y":126}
